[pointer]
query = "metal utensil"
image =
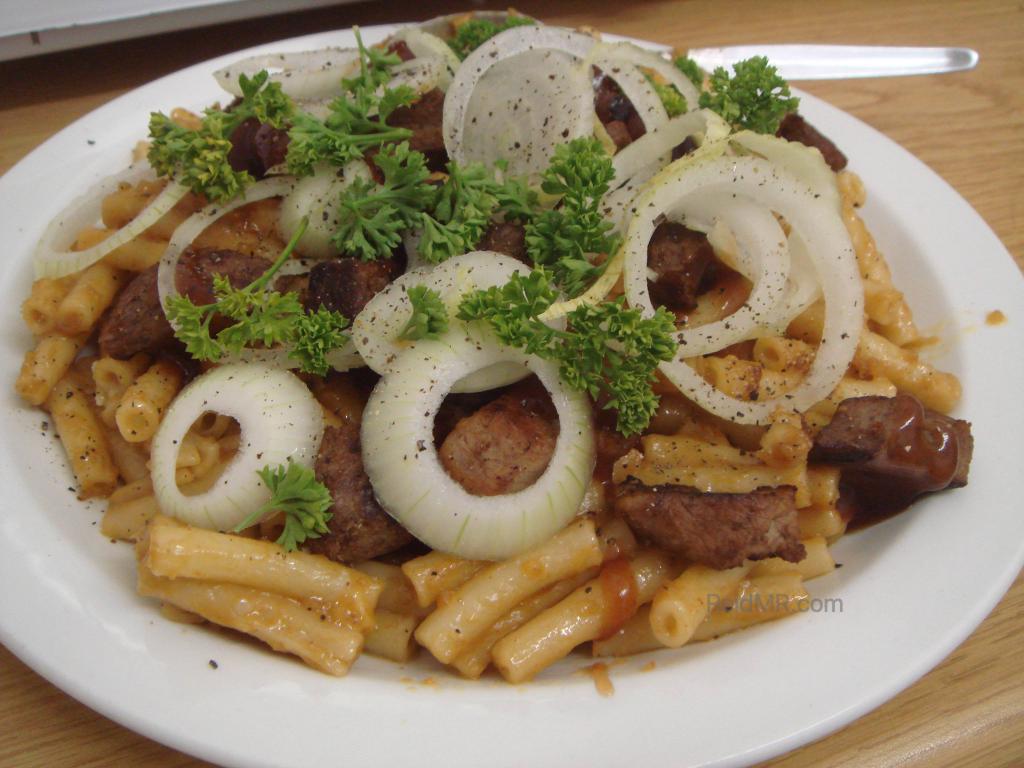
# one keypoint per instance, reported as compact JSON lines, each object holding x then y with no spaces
{"x":830,"y":62}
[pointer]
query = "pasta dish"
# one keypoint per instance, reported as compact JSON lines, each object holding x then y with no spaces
{"x":494,"y":339}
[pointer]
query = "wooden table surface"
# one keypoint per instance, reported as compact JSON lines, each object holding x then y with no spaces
{"x":969,"y":127}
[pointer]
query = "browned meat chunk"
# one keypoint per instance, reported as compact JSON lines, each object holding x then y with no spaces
{"x":136,"y":322}
{"x":687,"y":146}
{"x":795,"y":128}
{"x":347,"y":285}
{"x":401,"y":49}
{"x":508,"y":237}
{"x":503,"y":447}
{"x":359,"y":528}
{"x":719,"y":530}
{"x":893,"y":449}
{"x":423,"y":118}
{"x":680,"y":257}
{"x":616,"y":112}
{"x":256,"y":147}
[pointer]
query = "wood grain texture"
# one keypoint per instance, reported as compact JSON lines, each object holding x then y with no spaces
{"x":968,"y":127}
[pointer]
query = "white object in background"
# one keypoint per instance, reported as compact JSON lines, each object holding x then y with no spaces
{"x":29,"y":27}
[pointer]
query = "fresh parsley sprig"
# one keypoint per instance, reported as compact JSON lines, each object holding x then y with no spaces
{"x":755,"y":97}
{"x":295,"y":491}
{"x":199,"y":158}
{"x":673,"y":101}
{"x":691,"y":69}
{"x":429,"y":318}
{"x":356,"y":121}
{"x":372,"y":217}
{"x":473,"y":33}
{"x":606,"y":350}
{"x":261,"y":317}
{"x":564,"y":238}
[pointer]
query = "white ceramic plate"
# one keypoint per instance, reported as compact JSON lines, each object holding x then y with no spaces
{"x":911,"y":589}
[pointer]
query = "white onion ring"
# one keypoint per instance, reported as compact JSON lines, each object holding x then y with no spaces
{"x":52,"y":256}
{"x":410,"y":483}
{"x":375,"y":330}
{"x":423,"y":44}
{"x":317,"y":197}
{"x":656,"y":62}
{"x":821,"y":229}
{"x":635,"y":87}
{"x":280,"y":420}
{"x":304,"y":75}
{"x":539,"y":101}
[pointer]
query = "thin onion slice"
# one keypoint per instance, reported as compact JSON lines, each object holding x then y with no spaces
{"x":53,"y":257}
{"x":375,"y":330}
{"x":303,"y":75}
{"x":817,"y":223}
{"x":653,"y":61}
{"x":517,"y":97}
{"x":280,"y":421}
{"x":412,"y":485}
{"x":317,"y":197}
{"x":423,"y":44}
{"x":635,"y":87}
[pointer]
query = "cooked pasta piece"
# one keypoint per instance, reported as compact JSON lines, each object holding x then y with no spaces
{"x":435,"y":573}
{"x":283,"y":623}
{"x":877,"y":356}
{"x":821,"y":521}
{"x":684,"y":603}
{"x":84,"y":442}
{"x":397,"y":593}
{"x":112,"y":377}
{"x":39,"y":310}
{"x":497,"y":589}
{"x":175,"y":552}
{"x":391,"y":637}
{"x":143,"y":404}
{"x":92,"y":293}
{"x":762,"y":599}
{"x":817,"y":562}
{"x":44,"y":366}
{"x":592,"y":611}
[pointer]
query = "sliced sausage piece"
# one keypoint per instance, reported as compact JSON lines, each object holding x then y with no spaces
{"x":423,"y":118}
{"x":136,"y":321}
{"x":719,"y":530}
{"x":359,"y":528}
{"x":346,"y":285}
{"x":507,"y":237}
{"x":256,"y":147}
{"x":503,"y":447}
{"x":795,"y":128}
{"x":893,"y":449}
{"x":680,"y":257}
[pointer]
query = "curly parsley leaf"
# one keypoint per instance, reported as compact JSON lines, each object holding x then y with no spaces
{"x":473,"y":33}
{"x":199,"y":158}
{"x":673,"y":101}
{"x":755,"y":97}
{"x":372,"y":217}
{"x":689,"y":67}
{"x":563,"y":238}
{"x":429,"y":318}
{"x":305,"y":502}
{"x":356,"y":120}
{"x":260,"y":317}
{"x":607,"y":350}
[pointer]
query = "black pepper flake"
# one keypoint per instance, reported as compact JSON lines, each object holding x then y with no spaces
{"x":213,"y":664}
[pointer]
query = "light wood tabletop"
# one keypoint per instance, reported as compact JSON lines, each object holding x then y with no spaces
{"x":969,"y":127}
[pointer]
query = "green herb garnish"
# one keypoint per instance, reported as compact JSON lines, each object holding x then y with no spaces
{"x":261,"y":317}
{"x":429,"y":318}
{"x":755,"y":97}
{"x":295,"y":491}
{"x":475,"y":32}
{"x":606,"y":349}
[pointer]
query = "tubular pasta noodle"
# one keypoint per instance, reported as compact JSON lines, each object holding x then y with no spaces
{"x":179,"y":552}
{"x":143,"y":403}
{"x":397,"y":593}
{"x":821,"y":521}
{"x":763,"y":599}
{"x":112,"y":377}
{"x":579,"y":618}
{"x":391,"y":637}
{"x":281,"y":622}
{"x":39,"y":310}
{"x":92,"y":293}
{"x":435,"y":573}
{"x":817,"y":562}
{"x":474,"y":660}
{"x":130,"y":460}
{"x":495,"y":590}
{"x":877,"y":356}
{"x":126,"y":519}
{"x":44,"y":366}
{"x":683,"y":604}
{"x":84,"y":442}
